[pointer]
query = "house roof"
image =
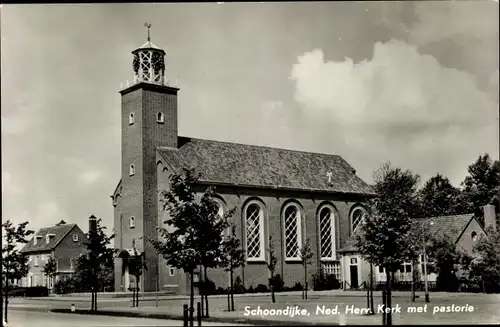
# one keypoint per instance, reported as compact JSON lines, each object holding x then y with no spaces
{"x":265,"y":167}
{"x":59,"y":231}
{"x":452,"y":226}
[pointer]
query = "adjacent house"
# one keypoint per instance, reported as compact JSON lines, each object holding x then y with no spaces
{"x":464,"y":230}
{"x":64,"y":242}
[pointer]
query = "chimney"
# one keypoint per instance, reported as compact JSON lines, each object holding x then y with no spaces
{"x":92,"y":224}
{"x":490,"y":216}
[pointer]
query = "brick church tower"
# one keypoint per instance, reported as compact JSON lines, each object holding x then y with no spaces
{"x":149,"y":120}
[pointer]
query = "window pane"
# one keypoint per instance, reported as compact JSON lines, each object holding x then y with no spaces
{"x":291,"y":232}
{"x":326,"y":233}
{"x":253,"y":231}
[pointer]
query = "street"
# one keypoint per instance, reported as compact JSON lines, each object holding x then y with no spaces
{"x":18,"y":318}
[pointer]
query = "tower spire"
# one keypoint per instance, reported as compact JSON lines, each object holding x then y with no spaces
{"x":148,"y":26}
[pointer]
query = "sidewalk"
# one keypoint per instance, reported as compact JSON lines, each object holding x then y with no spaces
{"x":487,"y":310}
{"x":162,"y":297}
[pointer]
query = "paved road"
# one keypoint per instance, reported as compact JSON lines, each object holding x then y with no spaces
{"x":48,"y":319}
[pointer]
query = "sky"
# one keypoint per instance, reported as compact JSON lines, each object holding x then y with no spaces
{"x":414,"y":83}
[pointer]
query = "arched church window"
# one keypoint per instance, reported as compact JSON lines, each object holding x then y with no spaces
{"x":326,"y":220}
{"x":357,"y":216}
{"x":474,"y":236}
{"x":160,"y":118}
{"x":254,"y":224}
{"x":131,"y":170}
{"x":131,"y":118}
{"x":293,"y":232}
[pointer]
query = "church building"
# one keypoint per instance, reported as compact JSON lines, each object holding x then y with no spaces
{"x":286,"y":194}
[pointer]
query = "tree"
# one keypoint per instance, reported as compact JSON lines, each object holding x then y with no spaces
{"x":482,"y":183}
{"x":485,"y":265}
{"x":98,"y":254}
{"x":193,"y":236}
{"x":50,"y":269}
{"x":384,"y":239}
{"x":211,"y":228}
{"x":439,"y":198}
{"x":235,"y":258}
{"x":306,"y":255}
{"x":136,"y":265}
{"x":271,"y":266}
{"x":14,"y":263}
{"x":445,"y":257}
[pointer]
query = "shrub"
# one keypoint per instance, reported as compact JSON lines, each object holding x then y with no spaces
{"x":323,"y":282}
{"x":221,"y":290}
{"x":296,"y":287}
{"x":277,"y":283}
{"x":250,"y":289}
{"x":261,"y":288}
{"x":238,"y":286}
{"x":64,"y":286}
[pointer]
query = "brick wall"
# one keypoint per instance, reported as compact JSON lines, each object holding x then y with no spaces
{"x":139,"y":192}
{"x":68,"y":250}
{"x":255,"y":273}
{"x":465,"y":241}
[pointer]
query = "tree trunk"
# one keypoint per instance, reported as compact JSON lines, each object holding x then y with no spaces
{"x":305,"y":282}
{"x":372,"y":311}
{"x":92,"y":298}
{"x":231,"y":289}
{"x":272,"y":288}
{"x":389,"y":295}
{"x":137,"y":278}
{"x":412,"y":282}
{"x":191,"y":301}
{"x":6,"y":297}
{"x":205,"y":291}
{"x":95,"y":299}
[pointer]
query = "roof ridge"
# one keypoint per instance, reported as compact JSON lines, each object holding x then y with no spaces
{"x":257,"y":146}
{"x":451,"y":216}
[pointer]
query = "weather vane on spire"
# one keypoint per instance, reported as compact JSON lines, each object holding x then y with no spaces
{"x":148,"y":26}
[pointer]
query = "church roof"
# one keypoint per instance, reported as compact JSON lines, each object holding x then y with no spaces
{"x":148,"y":45}
{"x":58,"y":232}
{"x":264,"y":167}
{"x":451,"y":226}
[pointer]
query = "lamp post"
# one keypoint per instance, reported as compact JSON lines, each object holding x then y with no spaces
{"x":425,"y":264}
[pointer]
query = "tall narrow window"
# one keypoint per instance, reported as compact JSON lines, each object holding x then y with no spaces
{"x":131,"y":170}
{"x":75,"y":237}
{"x":292,"y":228}
{"x":474,"y":236}
{"x":357,"y":216}
{"x":327,"y":233}
{"x":254,"y":223}
{"x":131,"y":118}
{"x":160,"y":118}
{"x":132,"y":222}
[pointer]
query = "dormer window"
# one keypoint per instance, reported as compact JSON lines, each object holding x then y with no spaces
{"x":132,"y":222}
{"x":48,"y":237}
{"x":131,"y":170}
{"x":35,"y":241}
{"x":75,"y":237}
{"x":131,"y":118}
{"x":160,"y":118}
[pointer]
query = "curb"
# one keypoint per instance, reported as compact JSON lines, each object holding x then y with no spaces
{"x":29,"y":309}
{"x":250,"y":321}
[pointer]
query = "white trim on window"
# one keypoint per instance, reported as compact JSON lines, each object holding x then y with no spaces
{"x":160,"y":117}
{"x":132,"y":222}
{"x":327,"y":228}
{"x":474,"y":236}
{"x":258,"y":254}
{"x":171,"y":271}
{"x":359,"y":220}
{"x":131,"y":118}
{"x":293,"y":243}
{"x":131,"y":171}
{"x":36,"y":263}
{"x":75,"y":237}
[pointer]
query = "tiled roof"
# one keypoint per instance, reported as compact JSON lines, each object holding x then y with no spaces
{"x":259,"y":166}
{"x":452,"y":226}
{"x":59,"y":232}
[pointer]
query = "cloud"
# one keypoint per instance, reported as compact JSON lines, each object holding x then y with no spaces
{"x":12,"y":126}
{"x":89,"y":177}
{"x":9,"y":186}
{"x":400,"y":105}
